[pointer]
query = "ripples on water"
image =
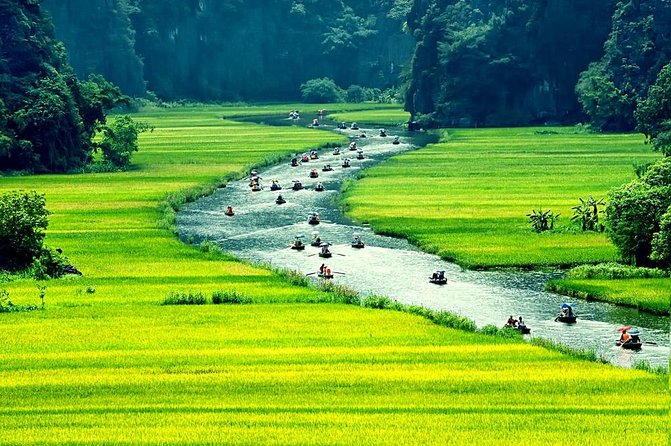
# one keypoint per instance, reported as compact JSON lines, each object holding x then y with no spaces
{"x":262,"y":230}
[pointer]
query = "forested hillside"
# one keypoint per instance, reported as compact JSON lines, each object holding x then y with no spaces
{"x":487,"y":62}
{"x":234,"y":49}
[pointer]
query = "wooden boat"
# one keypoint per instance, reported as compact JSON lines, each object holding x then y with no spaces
{"x":294,"y":162}
{"x":326,"y":255}
{"x":327,"y":168}
{"x":360,"y":156}
{"x":438,"y":281}
{"x":396,"y":141}
{"x":383,"y":133}
{"x":229,"y":211}
{"x":566,"y":319}
{"x":336,"y":151}
{"x":630,"y":345}
{"x":314,"y":156}
{"x":256,"y":188}
{"x":275,"y":186}
{"x":521,"y":328}
{"x":313,"y":221}
{"x":316,"y":242}
{"x":280,"y":200}
{"x":346,"y":164}
{"x":297,"y":185}
{"x":314,"y":173}
{"x":352,"y":147}
{"x":358,"y":245}
{"x":296,"y":246}
{"x":354,"y":126}
{"x":325,"y":276}
{"x":319,"y":188}
{"x":305,"y":159}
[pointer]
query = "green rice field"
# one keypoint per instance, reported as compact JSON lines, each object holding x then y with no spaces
{"x":389,"y":116}
{"x":467,"y":197}
{"x":106,"y":363}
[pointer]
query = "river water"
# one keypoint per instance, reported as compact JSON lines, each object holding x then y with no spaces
{"x":261,"y":231}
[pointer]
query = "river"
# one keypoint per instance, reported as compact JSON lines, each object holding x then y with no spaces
{"x":261,"y":231}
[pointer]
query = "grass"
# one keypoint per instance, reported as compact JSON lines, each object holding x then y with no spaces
{"x":467,"y":197}
{"x":392,"y":115}
{"x":303,"y":374}
{"x":106,"y":363}
{"x":652,"y":295}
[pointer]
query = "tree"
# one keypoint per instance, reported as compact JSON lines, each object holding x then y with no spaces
{"x":119,"y":141}
{"x":23,"y":218}
{"x":321,"y":90}
{"x":661,"y":241}
{"x":635,"y":211}
{"x":654,"y":113}
{"x":355,"y":94}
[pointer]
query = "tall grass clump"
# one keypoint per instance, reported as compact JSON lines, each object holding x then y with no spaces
{"x":442,"y":318}
{"x":587,"y":355}
{"x":230,"y":297}
{"x":614,"y":271}
{"x":184,"y":298}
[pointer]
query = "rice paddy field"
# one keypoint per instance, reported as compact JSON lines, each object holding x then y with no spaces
{"x":389,"y":116}
{"x":466,"y":199}
{"x":106,"y":363}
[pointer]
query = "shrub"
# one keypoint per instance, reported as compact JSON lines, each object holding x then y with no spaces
{"x":321,"y":90}
{"x":613,"y":271}
{"x":230,"y":297}
{"x":541,"y":220}
{"x":6,"y":305}
{"x":23,"y":218}
{"x":188,"y":298}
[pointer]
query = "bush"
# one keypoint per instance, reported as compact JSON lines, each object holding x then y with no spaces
{"x":321,"y":90}
{"x":6,"y":305}
{"x":23,"y":218}
{"x":230,"y":297}
{"x":119,"y":141}
{"x":355,"y":94}
{"x":189,"y":298}
{"x":614,"y":271}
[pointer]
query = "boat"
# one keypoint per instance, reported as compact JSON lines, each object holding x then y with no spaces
{"x":275,"y":186}
{"x":315,"y":123}
{"x":633,"y":343}
{"x":305,"y":159}
{"x":229,"y":211}
{"x":358,"y":243}
{"x":336,"y":151}
{"x":256,"y":188}
{"x":363,"y":135}
{"x":438,"y":278}
{"x":314,"y":173}
{"x":327,"y":168}
{"x":566,"y":316}
{"x":383,"y":133}
{"x":354,"y":126}
{"x":316,"y":240}
{"x":352,"y":146}
{"x":313,"y":218}
{"x":294,"y":162}
{"x":360,"y":155}
{"x":297,"y":185}
{"x":314,"y":155}
{"x":319,"y":187}
{"x":396,"y":141}
{"x":521,"y":328}
{"x":325,"y":253}
{"x":280,"y":200}
{"x":325,"y":276}
{"x":341,"y":126}
{"x":346,"y":163}
{"x":297,"y":244}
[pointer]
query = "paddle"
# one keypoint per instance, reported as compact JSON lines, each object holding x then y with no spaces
{"x":650,"y":343}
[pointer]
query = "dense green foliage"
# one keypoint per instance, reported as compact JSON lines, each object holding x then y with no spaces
{"x":322,"y":91}
{"x":47,"y":117}
{"x":233,"y":49}
{"x":654,"y":113}
{"x":487,"y":62}
{"x":23,"y":219}
{"x":638,"y":46}
{"x":635,"y":211}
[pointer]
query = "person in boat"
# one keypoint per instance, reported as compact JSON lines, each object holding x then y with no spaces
{"x":275,"y":185}
{"x":383,"y":133}
{"x":325,"y":250}
{"x":363,"y":135}
{"x":322,"y":268}
{"x":294,"y":162}
{"x":357,"y":240}
{"x":512,"y":322}
{"x":336,"y":151}
{"x":346,"y":162}
{"x":352,"y":146}
{"x":315,"y":122}
{"x":319,"y":187}
{"x":354,"y":126}
{"x":314,"y":173}
{"x":521,"y":323}
{"x":316,"y":239}
{"x":229,"y":210}
{"x":327,"y":168}
{"x":625,"y":337}
{"x":396,"y":141}
{"x":280,"y":199}
{"x":305,"y":158}
{"x":314,"y":155}
{"x":314,"y":218}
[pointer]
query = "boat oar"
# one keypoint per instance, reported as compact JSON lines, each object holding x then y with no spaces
{"x":650,"y":343}
{"x":338,"y":272}
{"x":341,"y":254}
{"x":310,"y":274}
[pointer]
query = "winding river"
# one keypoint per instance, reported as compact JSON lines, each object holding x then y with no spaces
{"x":262,"y":230}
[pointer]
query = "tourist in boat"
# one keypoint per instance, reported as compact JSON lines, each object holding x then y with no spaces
{"x":316,"y":239}
{"x":280,"y":199}
{"x":229,"y":211}
{"x":315,"y":122}
{"x":321,"y":268}
{"x":512,"y":322}
{"x":354,"y":126}
{"x":294,"y":162}
{"x":305,"y":158}
{"x":352,"y":146}
{"x":383,"y":133}
{"x":319,"y":187}
{"x":396,"y":141}
{"x":625,"y":337}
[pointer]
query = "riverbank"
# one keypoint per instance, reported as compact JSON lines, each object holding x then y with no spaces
{"x":466,"y":199}
{"x":107,"y":363}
